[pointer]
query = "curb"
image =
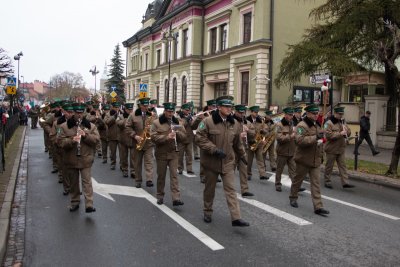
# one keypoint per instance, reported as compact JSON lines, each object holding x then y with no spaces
{"x":369,"y":178}
{"x":8,"y":199}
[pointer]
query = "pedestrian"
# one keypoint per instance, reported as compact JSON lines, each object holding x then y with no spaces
{"x":285,"y":137}
{"x":125,"y":145}
{"x":218,"y":137}
{"x":308,"y":158}
{"x":365,"y":126}
{"x":239,"y":116}
{"x":138,"y":128}
{"x":257,"y":129}
{"x":167,"y":134}
{"x":78,"y":138}
{"x":336,"y":133}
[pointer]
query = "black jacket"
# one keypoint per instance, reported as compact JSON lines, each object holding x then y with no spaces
{"x":364,"y":124}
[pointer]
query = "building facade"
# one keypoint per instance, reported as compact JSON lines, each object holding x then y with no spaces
{"x":199,"y":50}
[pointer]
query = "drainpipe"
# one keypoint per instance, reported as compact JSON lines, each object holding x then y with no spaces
{"x":126,"y":72}
{"x":271,"y":59}
{"x":201,"y":60}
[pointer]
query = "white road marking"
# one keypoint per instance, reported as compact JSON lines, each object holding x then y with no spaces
{"x":277,"y":212}
{"x":106,"y":189}
{"x":287,"y":182}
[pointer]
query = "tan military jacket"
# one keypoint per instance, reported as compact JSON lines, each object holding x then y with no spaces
{"x":123,"y":137}
{"x":102,"y":127}
{"x":190,"y":125}
{"x":112,"y":128}
{"x":285,"y":143}
{"x":165,"y":148}
{"x":135,"y":126}
{"x":335,"y":142}
{"x":48,"y":123}
{"x":88,"y":144}
{"x":255,"y":126}
{"x":213,"y":134}
{"x":308,"y":152}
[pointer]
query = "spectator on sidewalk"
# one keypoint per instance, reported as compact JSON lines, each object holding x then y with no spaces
{"x":364,"y":134}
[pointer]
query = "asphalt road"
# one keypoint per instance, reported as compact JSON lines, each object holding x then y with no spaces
{"x":128,"y":229}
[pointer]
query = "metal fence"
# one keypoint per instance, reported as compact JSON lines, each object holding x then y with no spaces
{"x":391,"y":119}
{"x":7,"y":130}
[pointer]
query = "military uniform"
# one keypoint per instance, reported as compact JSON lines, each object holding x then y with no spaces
{"x":285,"y":138}
{"x":335,"y":148}
{"x":166,"y":154}
{"x":256,"y":126}
{"x":271,"y":150}
{"x":112,"y":133}
{"x":103,"y":129}
{"x":135,"y":126}
{"x":308,"y":158}
{"x":34,"y":115}
{"x":125,"y":145}
{"x":79,"y":165}
{"x":218,"y":139}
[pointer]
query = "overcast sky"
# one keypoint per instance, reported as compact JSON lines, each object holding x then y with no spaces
{"x":57,"y":36}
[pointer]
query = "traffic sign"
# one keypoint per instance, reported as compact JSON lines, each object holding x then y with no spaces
{"x":11,"y":81}
{"x":113,"y":94}
{"x":113,"y":87}
{"x":142,"y":94}
{"x":113,"y":100}
{"x":11,"y":89}
{"x":22,"y":98}
{"x":143,"y":87}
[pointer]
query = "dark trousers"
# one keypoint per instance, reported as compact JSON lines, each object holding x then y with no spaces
{"x":367,"y":138}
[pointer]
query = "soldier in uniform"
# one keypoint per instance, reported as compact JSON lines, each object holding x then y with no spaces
{"x":297,"y":115}
{"x":239,"y":116}
{"x":256,"y":127}
{"x":285,"y":138}
{"x":185,"y":148}
{"x":102,"y":128}
{"x":34,"y":115}
{"x":93,"y":115}
{"x":167,"y":134}
{"x":308,"y":158}
{"x":137,"y":125}
{"x":218,"y":137}
{"x":78,"y":138}
{"x":59,"y":118}
{"x":125,"y":145}
{"x":47,"y":126}
{"x":112,"y":132}
{"x":152,"y":107}
{"x":336,"y":133}
{"x":271,"y":150}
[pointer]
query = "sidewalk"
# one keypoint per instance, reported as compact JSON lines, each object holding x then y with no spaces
{"x":7,"y":184}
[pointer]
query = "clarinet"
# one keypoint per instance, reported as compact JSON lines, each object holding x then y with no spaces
{"x":78,"y":146}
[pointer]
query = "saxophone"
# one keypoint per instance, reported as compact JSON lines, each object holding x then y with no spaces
{"x":146,"y":134}
{"x":269,"y":139}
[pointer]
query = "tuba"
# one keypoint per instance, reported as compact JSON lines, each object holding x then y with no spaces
{"x":146,"y":134}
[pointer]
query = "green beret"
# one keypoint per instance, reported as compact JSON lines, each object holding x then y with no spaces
{"x":116,"y":104}
{"x":185,"y":106}
{"x":106,"y":107}
{"x":240,"y":108}
{"x":255,"y":108}
{"x":89,"y":102}
{"x":153,"y":101}
{"x":144,"y":101}
{"x":288,"y":110}
{"x":225,"y":100}
{"x":298,"y":109}
{"x":211,"y":102}
{"x":68,"y":107}
{"x":79,"y":107}
{"x":312,"y":108}
{"x":339,"y":109}
{"x":96,"y":106}
{"x":169,"y":106}
{"x":54,"y":105}
{"x":129,"y":105}
{"x":268,"y":112}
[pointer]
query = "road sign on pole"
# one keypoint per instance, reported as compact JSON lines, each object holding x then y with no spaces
{"x":143,"y":90}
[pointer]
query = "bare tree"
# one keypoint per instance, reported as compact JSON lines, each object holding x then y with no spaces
{"x":68,"y":85}
{"x":6,"y":67}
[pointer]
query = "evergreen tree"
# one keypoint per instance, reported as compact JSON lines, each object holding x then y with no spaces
{"x":116,"y":75}
{"x":350,"y":35}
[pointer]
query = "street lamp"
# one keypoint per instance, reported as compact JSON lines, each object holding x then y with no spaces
{"x":169,"y":37}
{"x":94,"y":72}
{"x":16,"y":57}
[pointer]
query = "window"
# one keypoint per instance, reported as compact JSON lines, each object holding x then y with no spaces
{"x":176,"y":43}
{"x":246,"y":28}
{"x":184,"y":89}
{"x":185,"y":43}
{"x":244,"y":96}
{"x":220,"y":89}
{"x":357,"y":93}
{"x":224,"y":34}
{"x":158,"y":57}
{"x":307,"y":94}
{"x":158,"y":93}
{"x":213,"y":40}
{"x":140,"y":62}
{"x":166,"y":90}
{"x":146,"y":59}
{"x":174,"y":90}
